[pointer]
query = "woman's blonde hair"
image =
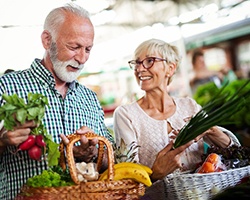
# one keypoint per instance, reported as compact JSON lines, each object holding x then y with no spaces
{"x":164,"y":49}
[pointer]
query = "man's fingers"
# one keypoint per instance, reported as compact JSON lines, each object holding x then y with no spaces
{"x":83,"y":130}
{"x":27,"y":124}
{"x":84,"y":142}
{"x":93,"y":142}
{"x":64,"y":139}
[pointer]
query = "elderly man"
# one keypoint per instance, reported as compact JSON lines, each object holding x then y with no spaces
{"x":67,"y":39}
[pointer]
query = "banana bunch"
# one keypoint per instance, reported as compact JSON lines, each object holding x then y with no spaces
{"x":129,"y":170}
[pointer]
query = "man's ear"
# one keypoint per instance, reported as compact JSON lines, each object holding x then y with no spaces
{"x":46,"y":39}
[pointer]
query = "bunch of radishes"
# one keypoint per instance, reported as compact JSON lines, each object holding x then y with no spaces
{"x":35,"y":145}
{"x":18,"y":110}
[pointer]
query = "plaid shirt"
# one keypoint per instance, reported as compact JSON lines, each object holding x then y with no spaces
{"x":79,"y":108}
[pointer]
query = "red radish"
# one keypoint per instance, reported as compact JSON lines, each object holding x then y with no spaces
{"x":39,"y":141}
{"x":35,"y":152}
{"x":27,"y":144}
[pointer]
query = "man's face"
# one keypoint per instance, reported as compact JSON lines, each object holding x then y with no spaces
{"x":71,"y":48}
{"x":200,"y":63}
{"x":60,"y":67}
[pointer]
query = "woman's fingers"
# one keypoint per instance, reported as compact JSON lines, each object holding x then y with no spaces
{"x":183,"y":147}
{"x":167,"y":148}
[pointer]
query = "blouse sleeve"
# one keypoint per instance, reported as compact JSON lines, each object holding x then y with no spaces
{"x":123,"y":129}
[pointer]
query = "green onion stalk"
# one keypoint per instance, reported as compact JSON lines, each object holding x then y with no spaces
{"x":217,"y":111}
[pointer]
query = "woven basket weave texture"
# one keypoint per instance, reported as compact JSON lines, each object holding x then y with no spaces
{"x":202,"y":186}
{"x":110,"y":189}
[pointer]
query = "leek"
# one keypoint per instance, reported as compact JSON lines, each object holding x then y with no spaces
{"x":217,"y":111}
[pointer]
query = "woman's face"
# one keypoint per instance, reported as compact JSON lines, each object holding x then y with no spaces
{"x":154,"y":78}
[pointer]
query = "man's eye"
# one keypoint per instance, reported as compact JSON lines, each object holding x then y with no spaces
{"x":88,"y":49}
{"x":73,"y":48}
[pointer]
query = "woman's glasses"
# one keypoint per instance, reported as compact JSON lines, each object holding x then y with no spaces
{"x":146,"y":63}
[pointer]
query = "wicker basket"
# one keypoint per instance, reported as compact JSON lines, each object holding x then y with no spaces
{"x":94,"y":190}
{"x":202,"y":186}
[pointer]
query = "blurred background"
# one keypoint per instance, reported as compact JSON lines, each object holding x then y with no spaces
{"x":219,"y":28}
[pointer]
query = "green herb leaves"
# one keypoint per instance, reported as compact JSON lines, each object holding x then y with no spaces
{"x":15,"y":109}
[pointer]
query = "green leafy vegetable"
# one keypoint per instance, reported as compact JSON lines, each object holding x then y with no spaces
{"x":16,"y":110}
{"x":217,"y":111}
{"x":53,"y":177}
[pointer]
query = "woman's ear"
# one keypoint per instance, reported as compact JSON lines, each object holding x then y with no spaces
{"x":46,"y":39}
{"x":172,"y":69}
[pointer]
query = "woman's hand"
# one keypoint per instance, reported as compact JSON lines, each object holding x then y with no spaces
{"x":217,"y":137}
{"x":87,"y":150}
{"x":168,"y":160}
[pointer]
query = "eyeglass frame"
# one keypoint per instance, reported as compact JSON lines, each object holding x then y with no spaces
{"x":137,"y":62}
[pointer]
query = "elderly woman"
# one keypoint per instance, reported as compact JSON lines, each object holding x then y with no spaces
{"x":153,"y":121}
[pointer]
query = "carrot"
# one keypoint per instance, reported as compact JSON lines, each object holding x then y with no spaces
{"x":211,"y":164}
{"x":206,"y":168}
{"x":213,"y":158}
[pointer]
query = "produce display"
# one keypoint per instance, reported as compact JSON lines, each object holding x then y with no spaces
{"x":241,"y":119}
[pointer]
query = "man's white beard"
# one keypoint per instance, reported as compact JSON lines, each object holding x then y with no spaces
{"x":61,"y":67}
{"x":61,"y":70}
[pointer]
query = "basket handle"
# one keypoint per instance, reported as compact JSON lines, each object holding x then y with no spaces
{"x":73,"y":138}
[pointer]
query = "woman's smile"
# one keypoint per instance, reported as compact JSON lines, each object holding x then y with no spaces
{"x":144,"y":78}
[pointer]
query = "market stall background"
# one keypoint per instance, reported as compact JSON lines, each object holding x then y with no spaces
{"x":120,"y":25}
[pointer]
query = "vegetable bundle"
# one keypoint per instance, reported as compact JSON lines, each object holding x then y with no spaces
{"x":15,"y":110}
{"x":217,"y":111}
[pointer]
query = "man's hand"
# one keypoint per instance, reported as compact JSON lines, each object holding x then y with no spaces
{"x":18,"y":135}
{"x":87,"y":150}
